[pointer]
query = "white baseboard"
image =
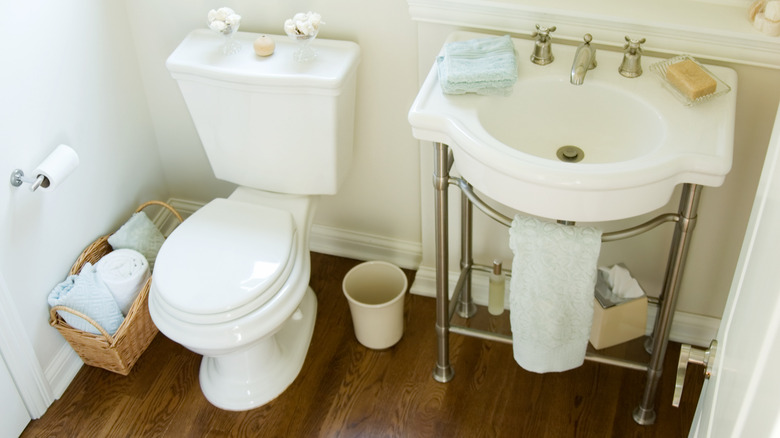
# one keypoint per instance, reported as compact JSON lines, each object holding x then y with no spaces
{"x":328,"y":240}
{"x":63,"y":368}
{"x":687,"y":328}
{"x":362,"y":246}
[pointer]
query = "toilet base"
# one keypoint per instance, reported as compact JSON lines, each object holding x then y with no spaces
{"x":254,"y":376}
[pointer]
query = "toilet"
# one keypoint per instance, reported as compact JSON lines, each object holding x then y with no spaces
{"x":232,"y":281}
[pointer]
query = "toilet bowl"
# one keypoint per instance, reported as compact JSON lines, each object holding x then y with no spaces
{"x":232,"y":281}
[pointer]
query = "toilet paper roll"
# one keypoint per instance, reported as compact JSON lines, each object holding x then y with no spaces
{"x":57,"y":167}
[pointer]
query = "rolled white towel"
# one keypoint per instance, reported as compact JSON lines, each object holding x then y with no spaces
{"x":124,"y":271}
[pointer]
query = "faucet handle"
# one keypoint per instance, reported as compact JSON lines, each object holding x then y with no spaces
{"x":543,"y":32}
{"x":542,"y":54}
{"x":633,"y":45}
{"x":631,"y":67}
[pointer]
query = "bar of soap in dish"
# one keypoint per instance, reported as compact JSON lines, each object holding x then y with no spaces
{"x":690,"y":79}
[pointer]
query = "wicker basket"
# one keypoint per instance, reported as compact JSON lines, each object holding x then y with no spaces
{"x":117,"y":353}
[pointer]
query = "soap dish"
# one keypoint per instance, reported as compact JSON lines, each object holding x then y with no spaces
{"x":659,"y":68}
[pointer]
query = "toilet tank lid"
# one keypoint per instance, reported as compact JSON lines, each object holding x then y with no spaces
{"x":200,"y":55}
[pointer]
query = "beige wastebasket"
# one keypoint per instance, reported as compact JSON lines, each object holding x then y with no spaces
{"x":375,"y":292}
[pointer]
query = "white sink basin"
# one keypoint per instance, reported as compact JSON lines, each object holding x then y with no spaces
{"x":638,"y":140}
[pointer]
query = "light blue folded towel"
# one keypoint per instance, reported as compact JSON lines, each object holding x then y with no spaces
{"x":140,"y":234}
{"x":482,"y":65}
{"x":551,"y":292}
{"x":87,"y":294}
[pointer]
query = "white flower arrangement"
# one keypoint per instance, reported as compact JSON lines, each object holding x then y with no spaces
{"x":303,"y":24}
{"x":224,"y":20}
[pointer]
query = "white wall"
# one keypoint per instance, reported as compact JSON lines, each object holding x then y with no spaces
{"x":69,"y":76}
{"x":381,"y":195}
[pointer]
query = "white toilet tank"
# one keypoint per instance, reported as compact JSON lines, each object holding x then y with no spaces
{"x":271,"y":123}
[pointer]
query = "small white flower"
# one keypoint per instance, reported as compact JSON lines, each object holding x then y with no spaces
{"x":223,"y":20}
{"x":218,"y":25}
{"x":315,"y":20}
{"x":303,"y":24}
{"x":223,"y":13}
{"x":289,"y":27}
{"x":233,"y":20}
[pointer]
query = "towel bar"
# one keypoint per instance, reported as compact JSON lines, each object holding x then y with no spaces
{"x":612,"y":236}
{"x":462,"y":303}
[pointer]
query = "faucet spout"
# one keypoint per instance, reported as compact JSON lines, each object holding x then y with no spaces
{"x":584,"y":60}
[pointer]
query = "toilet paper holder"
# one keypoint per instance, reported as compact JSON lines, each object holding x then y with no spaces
{"x":17,"y":178}
{"x":52,"y":171}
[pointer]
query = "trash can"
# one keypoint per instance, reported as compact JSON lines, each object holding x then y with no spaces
{"x":375,"y":291}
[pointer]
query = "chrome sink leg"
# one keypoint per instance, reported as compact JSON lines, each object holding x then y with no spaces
{"x":441,"y":173}
{"x":466,"y":307}
{"x":689,"y":202}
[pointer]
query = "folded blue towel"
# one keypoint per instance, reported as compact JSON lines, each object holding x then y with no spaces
{"x":87,"y":294}
{"x":482,"y":65}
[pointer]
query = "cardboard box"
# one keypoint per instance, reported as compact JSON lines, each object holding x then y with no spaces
{"x":616,"y":321}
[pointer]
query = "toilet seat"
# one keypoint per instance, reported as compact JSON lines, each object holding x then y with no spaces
{"x":226,"y":260}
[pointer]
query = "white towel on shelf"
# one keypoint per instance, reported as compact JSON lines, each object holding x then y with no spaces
{"x":124,"y":271}
{"x":551,"y":292}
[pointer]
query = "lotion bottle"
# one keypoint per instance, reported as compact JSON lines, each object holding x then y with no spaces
{"x":496,"y":290}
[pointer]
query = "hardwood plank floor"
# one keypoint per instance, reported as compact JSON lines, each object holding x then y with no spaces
{"x":346,"y":390}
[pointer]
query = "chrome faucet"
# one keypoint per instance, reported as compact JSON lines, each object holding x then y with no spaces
{"x":631,"y":67}
{"x":584,"y":60}
{"x":542,"y":54}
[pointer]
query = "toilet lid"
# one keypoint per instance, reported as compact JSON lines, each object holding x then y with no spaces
{"x":225,"y":260}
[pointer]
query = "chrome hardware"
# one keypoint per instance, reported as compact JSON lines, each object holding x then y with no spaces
{"x":698,"y":356}
{"x":17,"y":178}
{"x":584,"y":60}
{"x":631,"y":67}
{"x":570,"y":154}
{"x":542,"y":54}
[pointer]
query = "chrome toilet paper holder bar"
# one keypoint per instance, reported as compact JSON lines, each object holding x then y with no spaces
{"x":18,"y":178}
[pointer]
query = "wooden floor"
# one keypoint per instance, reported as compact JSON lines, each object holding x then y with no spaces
{"x":346,"y":390}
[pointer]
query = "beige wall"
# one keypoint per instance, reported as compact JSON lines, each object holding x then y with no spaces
{"x":381,"y":195}
{"x":388,"y":193}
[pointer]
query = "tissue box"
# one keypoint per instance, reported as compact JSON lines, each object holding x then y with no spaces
{"x":616,"y":321}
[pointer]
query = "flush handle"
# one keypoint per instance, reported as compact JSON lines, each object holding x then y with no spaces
{"x":693,"y":355}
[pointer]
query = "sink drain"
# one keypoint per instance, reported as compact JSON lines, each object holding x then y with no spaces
{"x":570,"y":154}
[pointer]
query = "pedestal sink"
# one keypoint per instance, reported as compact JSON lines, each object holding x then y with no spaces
{"x":608,"y":149}
{"x":638,"y":140}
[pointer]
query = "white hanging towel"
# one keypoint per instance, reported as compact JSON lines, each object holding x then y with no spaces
{"x":551,"y":292}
